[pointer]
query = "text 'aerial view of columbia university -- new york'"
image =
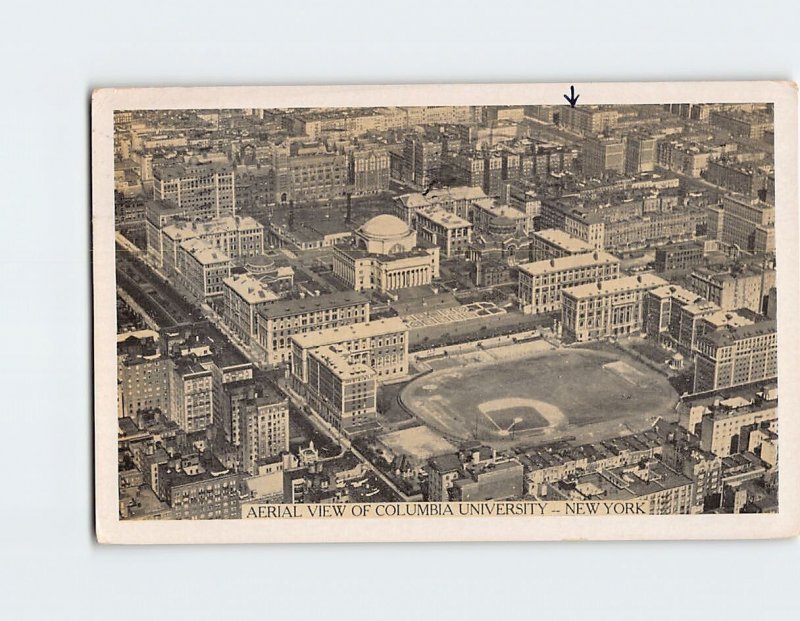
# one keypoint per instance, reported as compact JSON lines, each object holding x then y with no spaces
{"x":453,"y":303}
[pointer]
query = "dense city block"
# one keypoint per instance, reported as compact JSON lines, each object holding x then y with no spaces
{"x":454,"y":303}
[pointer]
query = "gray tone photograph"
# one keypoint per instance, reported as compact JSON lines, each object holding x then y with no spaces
{"x":450,"y":303}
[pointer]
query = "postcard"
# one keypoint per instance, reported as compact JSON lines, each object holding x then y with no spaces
{"x":497,"y":312}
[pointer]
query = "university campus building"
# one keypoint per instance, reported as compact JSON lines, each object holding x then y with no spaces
{"x":385,"y":255}
{"x":242,"y":296}
{"x":732,"y":356}
{"x":338,"y":370}
{"x":610,"y":308}
{"x":278,"y":321}
{"x":236,"y":236}
{"x":450,"y":232}
{"x":677,"y":317}
{"x":541,"y":282}
{"x":342,"y":392}
{"x":382,"y":345}
{"x":555,"y":243}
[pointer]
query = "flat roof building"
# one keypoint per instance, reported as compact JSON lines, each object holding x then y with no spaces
{"x":734,"y":356}
{"x":203,"y":190}
{"x":278,"y":321}
{"x":450,"y":232}
{"x":610,"y":308}
{"x":342,"y":391}
{"x":541,"y":282}
{"x":242,"y":296}
{"x":201,"y":269}
{"x":382,"y":345}
{"x":555,"y":243}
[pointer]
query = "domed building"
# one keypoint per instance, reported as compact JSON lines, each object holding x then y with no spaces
{"x":385,"y":234}
{"x":386,"y":255}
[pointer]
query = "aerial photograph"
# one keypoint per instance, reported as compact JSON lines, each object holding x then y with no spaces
{"x":451,"y":303}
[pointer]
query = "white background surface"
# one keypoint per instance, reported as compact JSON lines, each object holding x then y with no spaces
{"x":51,"y":58}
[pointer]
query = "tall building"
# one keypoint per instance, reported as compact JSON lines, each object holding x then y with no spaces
{"x":157,"y":215}
{"x":541,"y":282}
{"x":733,"y":356}
{"x":677,"y":317}
{"x":278,"y":321}
{"x":382,"y":345}
{"x":679,"y":256}
{"x":264,"y":428}
{"x":457,"y":200}
{"x":588,"y":119}
{"x":369,"y":171}
{"x":687,"y":159}
{"x":602,"y":155}
{"x":237,"y":237}
{"x":743,"y":287}
{"x":202,"y":190}
{"x":342,"y":392}
{"x":201,"y":269}
{"x":314,"y":177}
{"x":747,"y":179}
{"x":610,"y":308}
{"x":661,"y":489}
{"x":466,"y":168}
{"x":640,"y":154}
{"x":192,"y":394}
{"x":750,"y":126}
{"x":198,"y":486}
{"x":722,"y":428}
{"x":423,"y":159}
{"x":746,"y":223}
{"x":142,"y":375}
{"x":242,"y":297}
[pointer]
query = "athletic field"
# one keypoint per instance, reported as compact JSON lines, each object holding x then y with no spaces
{"x":552,"y":393}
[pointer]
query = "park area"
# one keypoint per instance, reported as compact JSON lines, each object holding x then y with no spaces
{"x":516,"y":393}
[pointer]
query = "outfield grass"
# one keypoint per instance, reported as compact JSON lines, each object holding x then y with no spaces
{"x":575,"y":381}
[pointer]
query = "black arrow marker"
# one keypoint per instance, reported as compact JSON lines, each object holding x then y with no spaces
{"x":572,"y":98}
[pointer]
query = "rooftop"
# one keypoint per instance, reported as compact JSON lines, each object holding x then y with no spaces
{"x":547,"y":266}
{"x":224,"y":224}
{"x":444,"y":218}
{"x":203,"y":252}
{"x":617,"y":285}
{"x":563,"y":240}
{"x":729,"y":334}
{"x":445,"y":463}
{"x":722,"y":318}
{"x":439,"y":195}
{"x":181,"y":171}
{"x":335,"y":359}
{"x":676,"y":292}
{"x":384,"y":226}
{"x":250,"y":289}
{"x":350,"y":332}
{"x":283,"y":308}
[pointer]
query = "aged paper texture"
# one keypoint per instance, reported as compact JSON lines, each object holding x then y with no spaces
{"x":446,"y":312}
